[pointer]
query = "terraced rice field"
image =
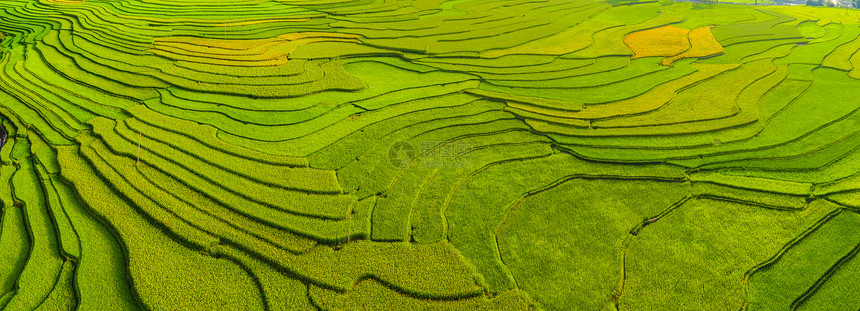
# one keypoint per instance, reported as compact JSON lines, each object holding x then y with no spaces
{"x":428,"y":154}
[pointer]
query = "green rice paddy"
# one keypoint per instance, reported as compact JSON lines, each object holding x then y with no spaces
{"x":428,"y":155}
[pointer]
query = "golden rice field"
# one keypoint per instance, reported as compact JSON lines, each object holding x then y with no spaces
{"x":428,"y":155}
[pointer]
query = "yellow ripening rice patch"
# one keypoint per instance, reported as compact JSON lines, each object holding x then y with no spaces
{"x":663,"y":41}
{"x":703,"y":44}
{"x":209,"y":22}
{"x":241,"y":44}
{"x":262,"y":21}
{"x":256,"y":52}
{"x":66,"y":1}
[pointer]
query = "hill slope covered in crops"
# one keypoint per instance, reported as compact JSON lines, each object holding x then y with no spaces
{"x":428,"y":154}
